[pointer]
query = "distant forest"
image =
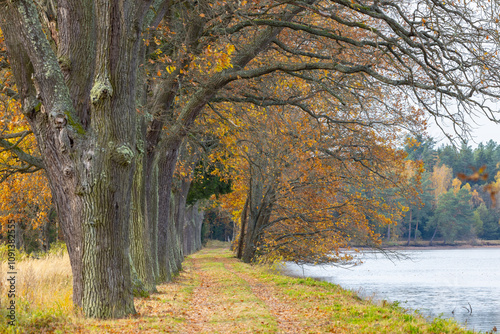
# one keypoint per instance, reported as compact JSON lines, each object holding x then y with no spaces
{"x":459,"y":199}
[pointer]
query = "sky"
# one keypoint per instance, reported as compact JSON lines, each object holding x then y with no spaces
{"x":483,"y":131}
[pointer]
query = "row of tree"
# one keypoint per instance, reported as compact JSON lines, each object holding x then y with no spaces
{"x":309,"y":100}
{"x":459,"y":193}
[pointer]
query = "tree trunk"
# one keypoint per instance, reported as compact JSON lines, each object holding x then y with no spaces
{"x":416,"y":229}
{"x":192,"y":229}
{"x":151,"y":186}
{"x":433,"y":235}
{"x":260,"y":205}
{"x":139,"y":229}
{"x":179,"y":221}
{"x":166,"y":165}
{"x":197,"y":224}
{"x":244,"y":218}
{"x":409,"y":229}
{"x":81,"y":108}
{"x":175,"y":215}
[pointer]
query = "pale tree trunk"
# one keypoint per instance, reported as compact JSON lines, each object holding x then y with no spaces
{"x":409,"y":229}
{"x":433,"y":235}
{"x":192,"y":229}
{"x":81,"y":107}
{"x":198,"y":223}
{"x":253,"y":234}
{"x":188,"y":232}
{"x":416,"y":228}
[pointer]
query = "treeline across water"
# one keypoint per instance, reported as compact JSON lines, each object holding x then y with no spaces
{"x":459,"y":194}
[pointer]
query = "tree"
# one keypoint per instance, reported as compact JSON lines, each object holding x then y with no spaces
{"x":490,"y":219}
{"x":454,"y":217}
{"x":77,"y":67}
{"x":309,"y":192}
{"x":422,"y":149}
{"x":412,"y":175}
{"x":441,"y":179}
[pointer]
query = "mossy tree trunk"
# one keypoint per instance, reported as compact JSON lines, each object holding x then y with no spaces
{"x":79,"y":96}
{"x":140,"y":235}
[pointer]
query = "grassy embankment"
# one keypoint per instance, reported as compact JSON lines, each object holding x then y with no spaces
{"x":215,"y":293}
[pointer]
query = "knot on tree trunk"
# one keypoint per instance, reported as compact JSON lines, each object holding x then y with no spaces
{"x":123,"y":155}
{"x":101,"y":89}
{"x":31,"y":106}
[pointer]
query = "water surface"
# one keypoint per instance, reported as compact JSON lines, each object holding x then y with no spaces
{"x":459,"y":283}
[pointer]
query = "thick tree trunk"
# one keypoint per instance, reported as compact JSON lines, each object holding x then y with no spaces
{"x":173,"y":235}
{"x":139,"y":230}
{"x":151,"y":188}
{"x":166,"y":165}
{"x":81,"y":107}
{"x":178,"y":221}
{"x":80,"y":102}
{"x":253,"y":235}
{"x":250,"y":245}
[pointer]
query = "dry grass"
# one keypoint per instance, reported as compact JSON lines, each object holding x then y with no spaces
{"x":43,"y":289}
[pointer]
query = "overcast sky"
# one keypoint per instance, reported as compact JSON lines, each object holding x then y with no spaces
{"x":483,"y":131}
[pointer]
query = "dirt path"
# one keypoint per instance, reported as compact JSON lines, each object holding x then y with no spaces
{"x":216,"y":293}
{"x":231,"y":301}
{"x":284,"y":313}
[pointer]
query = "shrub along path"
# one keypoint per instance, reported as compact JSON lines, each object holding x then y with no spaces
{"x":216,"y":293}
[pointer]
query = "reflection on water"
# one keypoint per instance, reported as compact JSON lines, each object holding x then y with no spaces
{"x":459,"y":283}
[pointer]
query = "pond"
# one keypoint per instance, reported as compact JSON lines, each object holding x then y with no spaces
{"x":459,"y":283}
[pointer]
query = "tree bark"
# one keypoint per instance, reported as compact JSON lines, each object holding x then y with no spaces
{"x":139,"y":230}
{"x":151,"y":188}
{"x":166,"y":165}
{"x":81,"y":107}
{"x":260,"y":209}
{"x":244,"y":218}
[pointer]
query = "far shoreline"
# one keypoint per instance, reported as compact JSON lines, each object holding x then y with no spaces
{"x":437,"y":247}
{"x":422,"y":245}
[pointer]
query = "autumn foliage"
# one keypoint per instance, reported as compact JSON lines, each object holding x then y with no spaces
{"x":303,"y":188}
{"x":24,"y":193}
